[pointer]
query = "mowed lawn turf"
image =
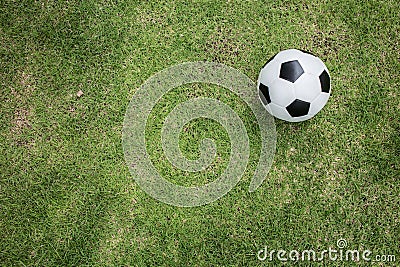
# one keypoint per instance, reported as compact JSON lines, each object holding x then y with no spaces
{"x":66,"y":195}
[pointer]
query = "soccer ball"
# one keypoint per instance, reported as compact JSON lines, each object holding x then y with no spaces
{"x":294,"y":85}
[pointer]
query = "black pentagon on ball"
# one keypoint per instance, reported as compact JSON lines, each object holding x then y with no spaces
{"x":298,"y":108}
{"x":291,"y":71}
{"x":265,"y":98}
{"x":325,"y":82}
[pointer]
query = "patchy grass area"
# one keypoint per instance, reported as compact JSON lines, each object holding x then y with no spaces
{"x":66,"y":196}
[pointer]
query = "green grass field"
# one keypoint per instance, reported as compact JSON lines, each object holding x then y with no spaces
{"x":66,"y":195}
